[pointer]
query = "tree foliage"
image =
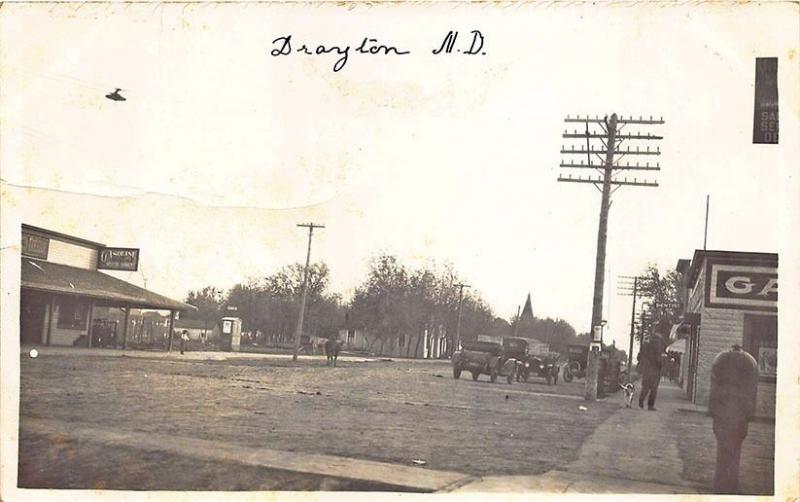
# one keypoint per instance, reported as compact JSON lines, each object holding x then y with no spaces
{"x":395,"y":301}
{"x":271,"y":305}
{"x":662,"y":297}
{"x":208,"y":301}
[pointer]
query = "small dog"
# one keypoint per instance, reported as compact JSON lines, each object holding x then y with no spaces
{"x":628,"y":391}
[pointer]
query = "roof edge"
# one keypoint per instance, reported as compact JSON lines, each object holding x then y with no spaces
{"x":61,"y":235}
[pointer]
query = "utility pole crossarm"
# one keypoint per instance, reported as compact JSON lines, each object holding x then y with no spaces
{"x":635,"y":182}
{"x":627,"y":167}
{"x":620,"y":120}
{"x":578,"y":135}
{"x":601,"y":151}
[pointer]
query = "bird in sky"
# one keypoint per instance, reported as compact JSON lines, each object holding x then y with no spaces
{"x":116,"y":96}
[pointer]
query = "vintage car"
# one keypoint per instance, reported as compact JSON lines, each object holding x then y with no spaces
{"x":576,"y":363}
{"x":544,"y":365}
{"x":484,"y":358}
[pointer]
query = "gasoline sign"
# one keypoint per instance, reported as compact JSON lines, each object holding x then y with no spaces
{"x":118,"y":259}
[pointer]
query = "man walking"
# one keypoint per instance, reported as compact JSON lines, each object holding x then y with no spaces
{"x":650,"y":362}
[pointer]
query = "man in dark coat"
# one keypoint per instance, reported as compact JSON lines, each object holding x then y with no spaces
{"x":650,"y":362}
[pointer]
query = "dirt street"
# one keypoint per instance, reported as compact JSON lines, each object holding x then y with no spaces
{"x":387,"y":411}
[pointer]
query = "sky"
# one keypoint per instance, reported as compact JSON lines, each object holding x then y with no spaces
{"x":221,"y":148}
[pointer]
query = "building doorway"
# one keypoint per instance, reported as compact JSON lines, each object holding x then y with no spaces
{"x":33,"y":308}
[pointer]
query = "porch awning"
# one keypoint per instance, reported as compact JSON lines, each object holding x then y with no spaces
{"x":38,"y":275}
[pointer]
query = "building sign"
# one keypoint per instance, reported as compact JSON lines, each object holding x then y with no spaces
{"x":35,"y":246}
{"x":118,"y":259}
{"x":765,"y":116}
{"x":743,"y":287}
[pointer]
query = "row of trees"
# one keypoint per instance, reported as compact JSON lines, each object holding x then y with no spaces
{"x":392,"y":302}
{"x":269,"y":306}
{"x":397,"y":301}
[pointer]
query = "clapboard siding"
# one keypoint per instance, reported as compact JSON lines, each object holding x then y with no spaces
{"x":72,"y":255}
{"x":719,"y":329}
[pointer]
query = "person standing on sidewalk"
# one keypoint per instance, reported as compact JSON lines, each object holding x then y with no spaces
{"x":184,"y":339}
{"x":650,"y":362}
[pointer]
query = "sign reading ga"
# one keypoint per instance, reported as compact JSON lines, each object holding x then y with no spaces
{"x":118,"y":259}
{"x":742,"y":286}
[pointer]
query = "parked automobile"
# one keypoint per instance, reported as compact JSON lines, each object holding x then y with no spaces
{"x":528,"y":365}
{"x":576,"y":362}
{"x":484,"y":358}
{"x":543,"y":366}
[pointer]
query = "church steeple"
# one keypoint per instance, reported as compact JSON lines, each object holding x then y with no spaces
{"x":527,"y":311}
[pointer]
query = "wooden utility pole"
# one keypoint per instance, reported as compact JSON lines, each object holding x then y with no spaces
{"x":626,"y":289}
{"x":460,"y":287}
{"x":609,"y":132}
{"x":705,"y":230}
{"x":299,"y":331}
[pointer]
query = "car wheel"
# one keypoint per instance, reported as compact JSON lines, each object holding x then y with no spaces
{"x":567,"y":375}
{"x":456,"y":372}
{"x":475,"y":375}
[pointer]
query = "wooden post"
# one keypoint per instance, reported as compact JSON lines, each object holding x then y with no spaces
{"x":633,"y":324}
{"x":127,"y":311}
{"x":170,"y":329}
{"x":90,"y":321}
{"x":50,"y":317}
{"x":592,"y":367}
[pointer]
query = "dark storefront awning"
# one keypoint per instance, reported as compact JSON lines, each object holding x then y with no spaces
{"x":51,"y":277}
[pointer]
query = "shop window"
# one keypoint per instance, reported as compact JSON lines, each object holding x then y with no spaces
{"x":72,"y":314}
{"x":761,"y":341}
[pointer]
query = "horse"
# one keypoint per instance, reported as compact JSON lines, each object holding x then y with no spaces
{"x":332,"y":348}
{"x":316,"y":344}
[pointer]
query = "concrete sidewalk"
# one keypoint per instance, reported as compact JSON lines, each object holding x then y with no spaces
{"x":380,"y":475}
{"x":633,"y":451}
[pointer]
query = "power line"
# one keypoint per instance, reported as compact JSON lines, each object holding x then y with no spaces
{"x":310,"y":226}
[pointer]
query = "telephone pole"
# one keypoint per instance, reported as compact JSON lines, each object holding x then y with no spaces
{"x":299,"y":331}
{"x":608,"y":132}
{"x":460,"y":287}
{"x":628,"y":289}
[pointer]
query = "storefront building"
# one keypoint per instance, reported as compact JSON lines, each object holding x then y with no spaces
{"x":65,"y":299}
{"x":731,"y":299}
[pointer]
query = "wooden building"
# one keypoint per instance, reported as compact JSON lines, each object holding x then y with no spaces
{"x":731,"y":299}
{"x":63,"y":292}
